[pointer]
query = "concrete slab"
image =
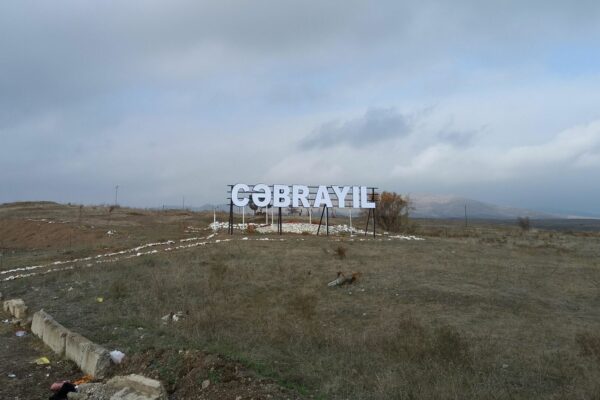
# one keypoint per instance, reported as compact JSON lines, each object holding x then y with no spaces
{"x":16,"y":308}
{"x":131,"y":387}
{"x":37,"y":324}
{"x":55,"y":336}
{"x":149,"y":387}
{"x":90,"y":357}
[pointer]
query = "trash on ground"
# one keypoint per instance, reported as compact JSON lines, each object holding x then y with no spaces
{"x":83,"y":379}
{"x":20,"y":333}
{"x":42,"y":361}
{"x":117,"y":356}
{"x":61,"y":394}
{"x":173,"y":317}
{"x":55,"y":387}
{"x":344,"y":279}
{"x":99,"y":299}
{"x":12,"y":376}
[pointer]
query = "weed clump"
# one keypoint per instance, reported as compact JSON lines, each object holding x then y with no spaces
{"x":340,"y":252}
{"x":589,"y":345}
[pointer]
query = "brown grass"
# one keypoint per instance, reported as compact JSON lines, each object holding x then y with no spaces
{"x":488,"y":315}
{"x":340,"y":252}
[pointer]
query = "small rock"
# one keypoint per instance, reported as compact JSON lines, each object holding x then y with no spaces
{"x":205,"y":384}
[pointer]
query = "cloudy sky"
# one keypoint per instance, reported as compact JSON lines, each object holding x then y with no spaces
{"x":497,"y":101}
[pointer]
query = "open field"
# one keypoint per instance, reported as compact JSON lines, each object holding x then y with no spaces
{"x":483,"y":312}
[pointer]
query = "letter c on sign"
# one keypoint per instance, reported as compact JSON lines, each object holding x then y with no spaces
{"x":234,"y":194}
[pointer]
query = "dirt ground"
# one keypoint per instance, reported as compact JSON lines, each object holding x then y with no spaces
{"x":487,"y":311}
{"x":23,"y":379}
{"x":20,"y":377}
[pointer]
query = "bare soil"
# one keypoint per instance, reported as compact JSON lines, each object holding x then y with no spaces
{"x":17,"y":357}
{"x":487,"y":311}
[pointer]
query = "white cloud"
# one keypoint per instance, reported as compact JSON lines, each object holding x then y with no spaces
{"x":576,"y":148}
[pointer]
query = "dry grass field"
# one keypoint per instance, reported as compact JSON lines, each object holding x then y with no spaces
{"x":485,"y":312}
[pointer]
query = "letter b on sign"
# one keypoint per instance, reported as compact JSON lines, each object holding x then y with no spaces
{"x":281,"y":196}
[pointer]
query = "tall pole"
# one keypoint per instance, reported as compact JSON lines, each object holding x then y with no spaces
{"x":350,"y":222}
{"x":116,"y":194}
{"x":465,"y":215}
{"x":375,"y":209}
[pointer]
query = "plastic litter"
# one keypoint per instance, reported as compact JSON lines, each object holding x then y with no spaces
{"x":42,"y":361}
{"x":61,"y":394}
{"x":55,"y":387}
{"x":173,"y":317}
{"x":117,"y":356}
{"x":20,"y":333}
{"x":99,"y":299}
{"x":84,"y":379}
{"x":12,"y":376}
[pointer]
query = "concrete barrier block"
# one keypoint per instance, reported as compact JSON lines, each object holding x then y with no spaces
{"x":6,"y":306}
{"x":37,"y":324}
{"x":20,"y":311}
{"x":95,"y":360}
{"x":74,"y":347}
{"x":16,"y":308}
{"x":90,"y":357}
{"x":55,"y":335}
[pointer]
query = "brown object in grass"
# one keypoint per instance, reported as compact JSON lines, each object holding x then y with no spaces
{"x":343,"y":279}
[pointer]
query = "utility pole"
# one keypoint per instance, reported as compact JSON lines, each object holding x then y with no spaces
{"x":466,"y":224}
{"x":116,"y":194}
{"x":183,"y":203}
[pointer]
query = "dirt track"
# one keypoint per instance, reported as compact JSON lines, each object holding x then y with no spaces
{"x":17,"y":358}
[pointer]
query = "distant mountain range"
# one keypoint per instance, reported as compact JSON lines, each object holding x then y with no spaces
{"x":448,"y":207}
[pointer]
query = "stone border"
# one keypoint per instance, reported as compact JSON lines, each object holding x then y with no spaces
{"x":16,"y":308}
{"x":91,"y":358}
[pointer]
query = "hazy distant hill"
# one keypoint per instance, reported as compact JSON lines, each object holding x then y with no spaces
{"x":448,"y":206}
{"x":444,"y":206}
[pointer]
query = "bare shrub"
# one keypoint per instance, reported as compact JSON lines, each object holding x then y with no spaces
{"x":303,"y":305}
{"x":340,"y":252}
{"x":118,"y":289}
{"x":589,"y":344}
{"x":251,"y":229}
{"x":523,"y":223}
{"x":392,"y":211}
{"x":448,"y":345}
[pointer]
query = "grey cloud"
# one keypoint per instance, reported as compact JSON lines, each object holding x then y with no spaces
{"x":459,"y":137}
{"x":376,"y":125}
{"x":86,"y":86}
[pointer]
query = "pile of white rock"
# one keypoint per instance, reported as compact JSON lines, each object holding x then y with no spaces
{"x":296,"y":227}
